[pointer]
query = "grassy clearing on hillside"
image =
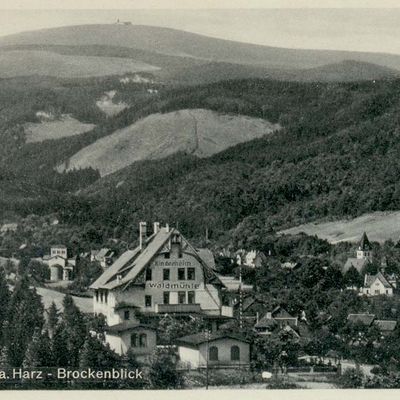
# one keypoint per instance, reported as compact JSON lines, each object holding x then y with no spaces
{"x":45,"y":63}
{"x":198,"y":132}
{"x":380,"y":226}
{"x":64,"y":127}
{"x":107,"y":105}
{"x":48,"y":296}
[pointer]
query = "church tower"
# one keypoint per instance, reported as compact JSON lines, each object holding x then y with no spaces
{"x":364,"y":250}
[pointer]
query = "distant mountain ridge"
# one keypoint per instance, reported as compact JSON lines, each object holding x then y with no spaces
{"x":162,"y":46}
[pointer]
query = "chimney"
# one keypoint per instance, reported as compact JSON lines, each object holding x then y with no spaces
{"x":156,"y":227}
{"x":142,"y":234}
{"x":167,"y":227}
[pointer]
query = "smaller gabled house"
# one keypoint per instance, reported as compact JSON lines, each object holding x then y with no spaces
{"x":61,"y":267}
{"x":385,"y":326}
{"x":103,"y":256}
{"x":140,"y":339}
{"x":376,"y":285}
{"x":215,"y":350}
{"x":362,"y":318}
{"x":363,"y":256}
{"x":278,"y":318}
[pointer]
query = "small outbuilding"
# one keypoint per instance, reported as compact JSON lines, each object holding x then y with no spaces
{"x":219,"y":349}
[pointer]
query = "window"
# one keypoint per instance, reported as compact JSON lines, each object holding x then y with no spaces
{"x":106,"y":297}
{"x":166,"y":255}
{"x":376,"y":291}
{"x":191,"y":274}
{"x":166,"y":297}
{"x":143,"y":340}
{"x":181,"y":297}
{"x":97,"y":295}
{"x":126,"y":315}
{"x":235,"y":353}
{"x":191,"y":298}
{"x":101,"y":296}
{"x":147,"y":301}
{"x":181,"y":274}
{"x":148,"y":274}
{"x":213,"y":353}
{"x":166,"y":274}
{"x":134,"y":340}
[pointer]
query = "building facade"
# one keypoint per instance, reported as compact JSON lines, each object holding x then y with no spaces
{"x":221,"y":350}
{"x":165,"y":274}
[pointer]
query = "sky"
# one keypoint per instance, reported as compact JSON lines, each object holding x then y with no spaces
{"x":192,"y":4}
{"x":361,"y":25}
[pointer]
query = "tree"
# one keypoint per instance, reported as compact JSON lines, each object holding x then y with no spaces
{"x":24,"y":317}
{"x":75,"y":330}
{"x":4,"y":301}
{"x":352,"y":278}
{"x":52,"y":318}
{"x":163,"y":373}
{"x":352,"y":378}
{"x":32,"y":355}
{"x":4,"y":358}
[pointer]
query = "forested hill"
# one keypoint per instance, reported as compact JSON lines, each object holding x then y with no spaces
{"x":337,"y":156}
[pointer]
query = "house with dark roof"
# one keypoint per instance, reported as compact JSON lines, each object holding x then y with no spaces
{"x":165,"y":274}
{"x":385,"y":326}
{"x":363,"y":318}
{"x":363,"y":255}
{"x":103,"y":256}
{"x":278,"y":318}
{"x":376,"y":285}
{"x":215,"y":350}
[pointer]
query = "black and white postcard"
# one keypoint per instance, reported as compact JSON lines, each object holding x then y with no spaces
{"x":199,"y":195}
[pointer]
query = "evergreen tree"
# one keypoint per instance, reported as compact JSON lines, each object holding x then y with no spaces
{"x":52,"y":319}
{"x":59,"y":348}
{"x":24,"y":316}
{"x":75,"y":330}
{"x":4,"y":296}
{"x":353,"y":278}
{"x":32,"y":355}
{"x":4,"y":358}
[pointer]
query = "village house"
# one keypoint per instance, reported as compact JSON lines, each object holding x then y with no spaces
{"x":105,"y":257}
{"x":252,"y":259}
{"x":165,"y":274}
{"x":278,"y":318}
{"x":7,"y":228}
{"x":363,"y":256}
{"x":376,"y":285}
{"x":60,"y":265}
{"x":219,"y":349}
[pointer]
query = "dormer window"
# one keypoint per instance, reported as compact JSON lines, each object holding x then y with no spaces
{"x":176,"y":239}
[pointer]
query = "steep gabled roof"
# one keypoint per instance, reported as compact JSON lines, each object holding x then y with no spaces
{"x":130,"y":264}
{"x":357,"y":263}
{"x":207,"y":256}
{"x":370,"y":279}
{"x":365,"y":243}
{"x":125,"y":258}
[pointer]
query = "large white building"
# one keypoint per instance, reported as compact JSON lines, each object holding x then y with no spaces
{"x":165,"y":274}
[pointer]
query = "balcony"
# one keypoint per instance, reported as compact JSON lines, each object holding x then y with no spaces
{"x":177,"y":308}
